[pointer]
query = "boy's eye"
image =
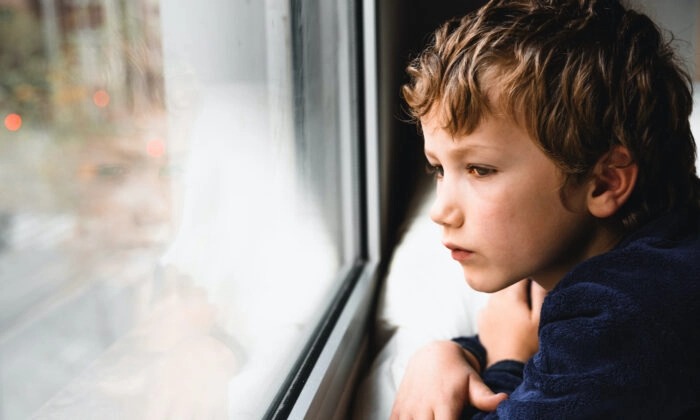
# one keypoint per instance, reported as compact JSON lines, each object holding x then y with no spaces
{"x":435,"y":170}
{"x":480,"y":171}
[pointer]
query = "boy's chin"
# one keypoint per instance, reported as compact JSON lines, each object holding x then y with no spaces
{"x":485,"y":285}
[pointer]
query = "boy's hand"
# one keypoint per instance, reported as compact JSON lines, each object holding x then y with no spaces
{"x":440,"y":380}
{"x":509,"y":322}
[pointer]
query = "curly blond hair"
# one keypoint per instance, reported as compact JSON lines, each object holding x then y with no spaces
{"x":581,"y":77}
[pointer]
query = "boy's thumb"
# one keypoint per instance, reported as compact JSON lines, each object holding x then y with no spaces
{"x":481,"y":396}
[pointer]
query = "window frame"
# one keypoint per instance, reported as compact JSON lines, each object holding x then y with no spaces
{"x":321,"y":382}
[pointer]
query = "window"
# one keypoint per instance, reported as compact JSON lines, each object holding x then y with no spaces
{"x":182,"y":211}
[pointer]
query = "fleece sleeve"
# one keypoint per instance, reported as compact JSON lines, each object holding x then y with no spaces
{"x":595,"y":361}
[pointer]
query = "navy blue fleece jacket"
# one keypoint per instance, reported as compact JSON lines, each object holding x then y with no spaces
{"x":619,"y":335}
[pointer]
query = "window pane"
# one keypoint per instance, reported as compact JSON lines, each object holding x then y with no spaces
{"x":175,"y":213}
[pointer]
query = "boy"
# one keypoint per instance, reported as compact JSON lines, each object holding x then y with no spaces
{"x":558,"y":133}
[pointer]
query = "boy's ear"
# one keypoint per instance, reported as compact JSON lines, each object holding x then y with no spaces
{"x":612,"y":182}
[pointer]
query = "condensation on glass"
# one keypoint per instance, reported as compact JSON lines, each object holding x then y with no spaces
{"x":174,"y":210}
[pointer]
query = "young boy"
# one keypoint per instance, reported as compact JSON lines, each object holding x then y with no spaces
{"x":559,"y":136}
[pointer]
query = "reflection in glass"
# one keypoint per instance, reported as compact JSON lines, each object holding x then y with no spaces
{"x":173,"y":210}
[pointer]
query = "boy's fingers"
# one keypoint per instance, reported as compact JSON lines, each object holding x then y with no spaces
{"x":481,"y":396}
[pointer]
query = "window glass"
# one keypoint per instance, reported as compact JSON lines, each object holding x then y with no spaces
{"x":177,"y":204}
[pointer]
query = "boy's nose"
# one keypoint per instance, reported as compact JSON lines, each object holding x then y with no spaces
{"x":446,"y":212}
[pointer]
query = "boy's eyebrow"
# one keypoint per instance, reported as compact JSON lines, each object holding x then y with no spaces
{"x":464,"y":149}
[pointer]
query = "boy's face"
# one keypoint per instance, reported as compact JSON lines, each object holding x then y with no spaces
{"x":500,"y":207}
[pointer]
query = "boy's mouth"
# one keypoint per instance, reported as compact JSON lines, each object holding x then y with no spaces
{"x":458,"y":254}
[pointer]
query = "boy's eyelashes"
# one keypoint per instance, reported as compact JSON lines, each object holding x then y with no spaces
{"x":478,"y":171}
{"x":435,"y":170}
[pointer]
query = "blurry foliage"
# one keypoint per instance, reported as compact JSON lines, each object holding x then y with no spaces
{"x":23,"y":66}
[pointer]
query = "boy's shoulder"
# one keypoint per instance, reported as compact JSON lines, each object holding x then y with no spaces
{"x":634,"y":307}
{"x":654,"y":267}
{"x":667,"y":248}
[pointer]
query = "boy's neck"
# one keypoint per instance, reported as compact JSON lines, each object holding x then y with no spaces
{"x":603,"y":237}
